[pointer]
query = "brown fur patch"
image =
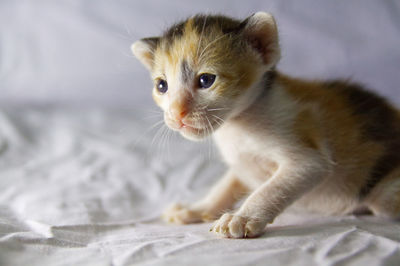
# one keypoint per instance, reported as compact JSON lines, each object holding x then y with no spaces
{"x":380,"y":123}
{"x":342,"y":131}
{"x":307,"y":129}
{"x":363,"y":130}
{"x":380,"y":120}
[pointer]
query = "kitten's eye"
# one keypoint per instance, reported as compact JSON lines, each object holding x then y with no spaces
{"x":162,"y":86}
{"x":206,"y":80}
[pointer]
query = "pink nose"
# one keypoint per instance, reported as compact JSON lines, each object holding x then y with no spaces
{"x":178,"y":114}
{"x":178,"y":110}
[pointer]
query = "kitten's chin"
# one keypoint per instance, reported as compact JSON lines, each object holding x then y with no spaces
{"x":194,"y":134}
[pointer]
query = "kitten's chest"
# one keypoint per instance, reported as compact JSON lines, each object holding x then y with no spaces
{"x":237,"y":144}
{"x":252,"y":154}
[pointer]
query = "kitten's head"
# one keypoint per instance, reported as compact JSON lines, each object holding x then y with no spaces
{"x":208,"y":69}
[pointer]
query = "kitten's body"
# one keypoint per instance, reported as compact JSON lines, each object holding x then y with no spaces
{"x":300,"y":121}
{"x":330,"y":147}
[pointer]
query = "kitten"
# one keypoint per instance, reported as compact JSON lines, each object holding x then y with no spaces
{"x":328,"y":146}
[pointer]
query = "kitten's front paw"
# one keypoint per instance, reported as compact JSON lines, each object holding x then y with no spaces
{"x":236,"y":226}
{"x":180,"y":214}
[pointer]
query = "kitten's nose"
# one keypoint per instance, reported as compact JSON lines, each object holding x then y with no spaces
{"x":179,"y":113}
{"x":180,"y":107}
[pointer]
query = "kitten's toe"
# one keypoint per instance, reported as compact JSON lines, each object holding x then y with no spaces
{"x":180,"y":214}
{"x":254,"y":228}
{"x":236,"y":226}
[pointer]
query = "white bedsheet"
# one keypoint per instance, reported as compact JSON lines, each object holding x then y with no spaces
{"x":86,"y":187}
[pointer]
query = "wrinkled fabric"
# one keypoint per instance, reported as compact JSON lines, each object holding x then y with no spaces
{"x":86,"y":187}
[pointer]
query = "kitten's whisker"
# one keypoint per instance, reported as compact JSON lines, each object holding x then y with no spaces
{"x":128,"y":30}
{"x":155,"y":124}
{"x":156,"y":135}
{"x":160,"y":142}
{"x":219,"y":118}
{"x":129,"y":38}
{"x":209,"y":139}
{"x":217,"y":109}
{"x":164,"y":145}
{"x":151,"y":116}
{"x":202,"y":108}
{"x":155,"y":111}
{"x":196,"y":122}
{"x":216,"y":121}
{"x":169,"y":134}
{"x":209,"y":145}
{"x":201,"y":37}
{"x":146,"y":131}
{"x":163,"y":140}
{"x":209,"y":123}
{"x":207,"y":133}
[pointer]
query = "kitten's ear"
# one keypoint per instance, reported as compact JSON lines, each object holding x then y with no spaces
{"x":144,"y":50}
{"x":262,"y":33}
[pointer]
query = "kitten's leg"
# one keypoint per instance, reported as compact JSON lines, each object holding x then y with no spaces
{"x":384,"y":200}
{"x":221,"y":198}
{"x":265,"y":203}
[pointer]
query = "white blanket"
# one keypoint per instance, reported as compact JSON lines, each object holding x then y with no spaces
{"x":86,"y":187}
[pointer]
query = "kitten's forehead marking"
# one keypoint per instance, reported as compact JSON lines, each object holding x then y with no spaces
{"x":186,"y":74}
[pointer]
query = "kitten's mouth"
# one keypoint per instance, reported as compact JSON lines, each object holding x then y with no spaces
{"x":193,"y":130}
{"x":196,"y":132}
{"x":190,"y":127}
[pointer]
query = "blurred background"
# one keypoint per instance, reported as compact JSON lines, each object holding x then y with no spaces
{"x":77,"y":52}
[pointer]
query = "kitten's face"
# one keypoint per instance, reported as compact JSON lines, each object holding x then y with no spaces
{"x":205,"y":70}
